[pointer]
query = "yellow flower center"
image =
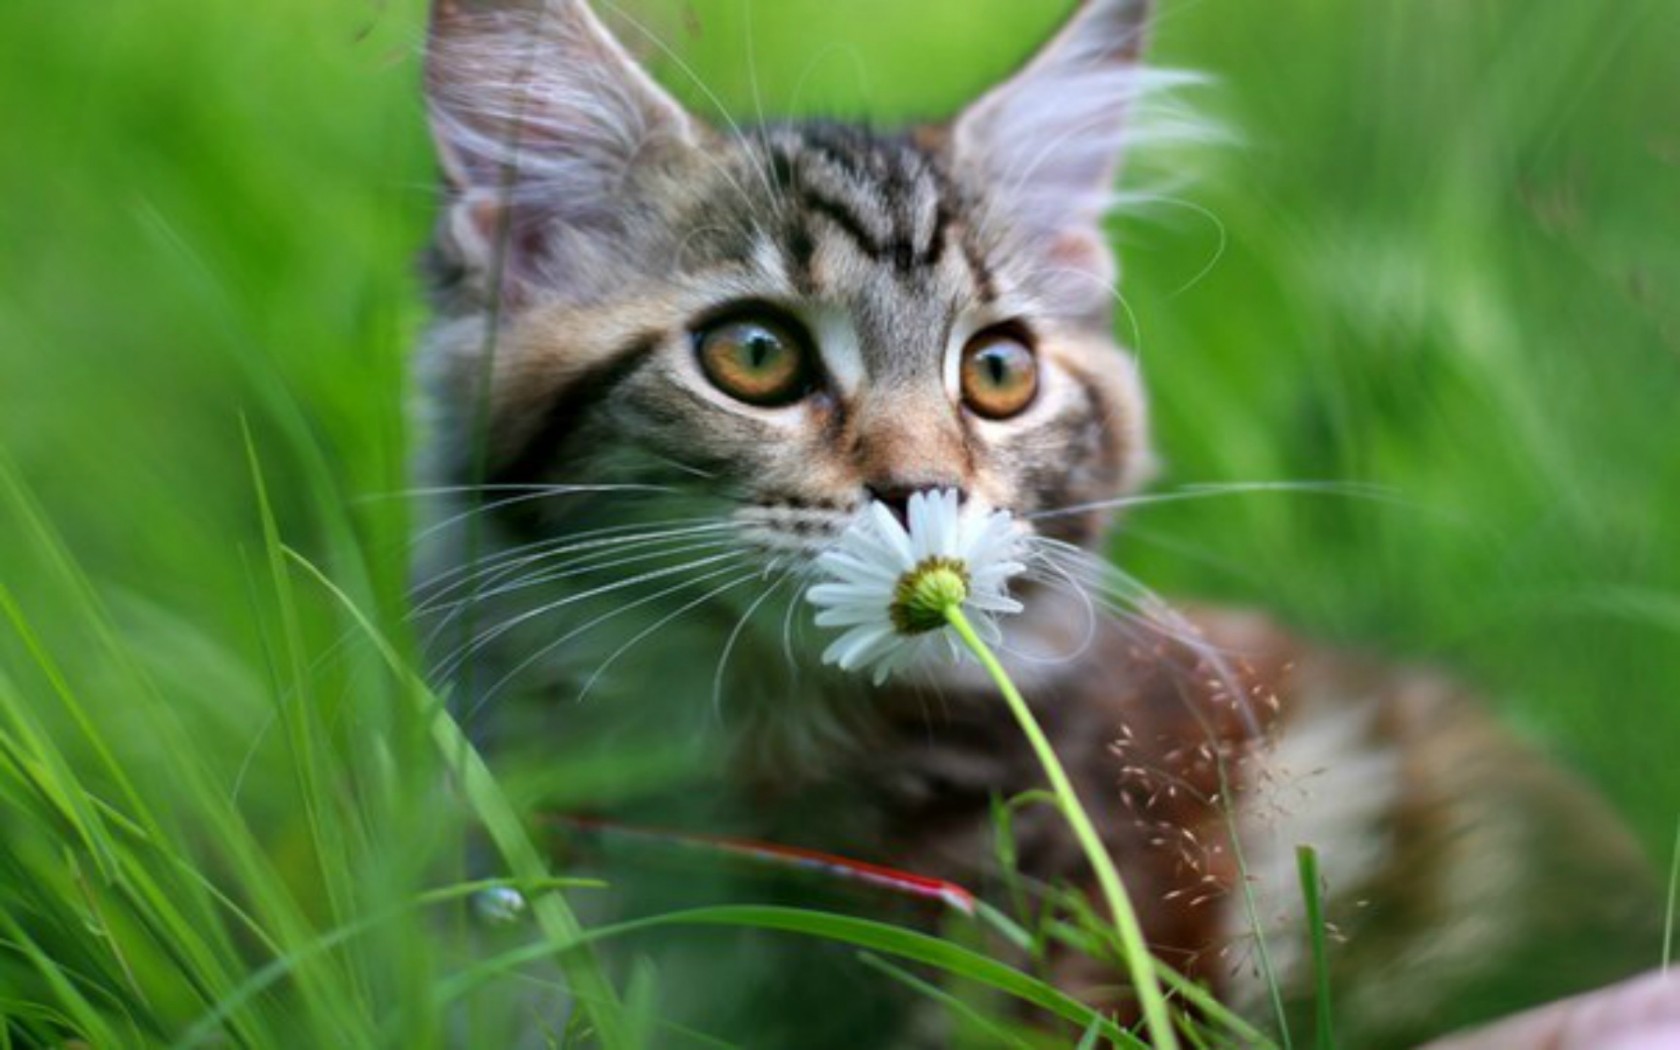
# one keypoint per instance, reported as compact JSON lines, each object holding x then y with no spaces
{"x":925,"y":592}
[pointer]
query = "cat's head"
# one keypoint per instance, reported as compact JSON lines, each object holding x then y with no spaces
{"x":788,"y":320}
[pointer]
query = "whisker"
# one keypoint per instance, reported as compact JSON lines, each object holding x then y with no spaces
{"x":658,"y":624}
{"x":861,"y":87}
{"x":752,"y":64}
{"x":678,"y":465}
{"x":594,"y":562}
{"x":1118,"y":591}
{"x":543,"y":651}
{"x":1200,"y":553}
{"x":735,"y":636}
{"x":452,"y":664}
{"x":1219,"y":249}
{"x":1352,"y":489}
{"x":1120,"y":300}
{"x":468,"y":490}
{"x":1125,"y":611}
{"x":787,"y":626}
{"x":1128,"y":598}
{"x":458,"y":607}
{"x":594,"y":539}
{"x":806,"y":573}
{"x":1066,"y":584}
{"x":722,"y":110}
{"x":542,"y":492}
{"x":589,"y":555}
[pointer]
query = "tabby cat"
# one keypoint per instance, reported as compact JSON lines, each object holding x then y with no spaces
{"x":672,"y":362}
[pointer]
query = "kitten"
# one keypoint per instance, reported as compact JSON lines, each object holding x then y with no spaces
{"x":682,"y":359}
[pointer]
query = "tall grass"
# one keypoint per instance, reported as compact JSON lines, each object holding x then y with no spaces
{"x":1440,"y":260}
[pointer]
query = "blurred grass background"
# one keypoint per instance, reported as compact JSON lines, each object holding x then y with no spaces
{"x":1441,"y":255}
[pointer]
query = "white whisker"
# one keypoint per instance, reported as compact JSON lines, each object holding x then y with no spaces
{"x":1130,"y":600}
{"x":657,"y":625}
{"x":459,"y":607}
{"x":787,"y":627}
{"x":1219,"y":249}
{"x":1114,"y":292}
{"x":594,"y":539}
{"x":541,"y":492}
{"x":1352,"y":489}
{"x":722,"y":110}
{"x":473,"y":490}
{"x":452,"y":664}
{"x":1065,"y":583}
{"x":549,"y":647}
{"x":735,"y":636}
{"x":595,"y":555}
{"x":595,"y":563}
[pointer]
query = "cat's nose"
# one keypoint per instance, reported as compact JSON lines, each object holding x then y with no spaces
{"x":895,"y":495}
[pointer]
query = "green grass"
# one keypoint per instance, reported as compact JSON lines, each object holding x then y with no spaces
{"x":1440,"y":258}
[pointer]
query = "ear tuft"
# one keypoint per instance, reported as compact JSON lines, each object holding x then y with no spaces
{"x":1045,"y":146}
{"x":538,"y":115}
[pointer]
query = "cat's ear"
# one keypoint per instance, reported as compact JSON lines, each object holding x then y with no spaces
{"x":539,"y":115}
{"x":1045,"y":145}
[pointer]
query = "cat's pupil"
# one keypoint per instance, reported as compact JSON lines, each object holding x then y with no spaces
{"x":760,"y":346}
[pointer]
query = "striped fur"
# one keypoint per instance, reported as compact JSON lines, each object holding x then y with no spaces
{"x":592,"y":227}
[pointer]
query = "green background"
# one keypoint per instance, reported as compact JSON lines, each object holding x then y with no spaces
{"x":1436,"y":249}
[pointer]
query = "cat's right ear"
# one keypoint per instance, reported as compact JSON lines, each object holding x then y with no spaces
{"x":1046,"y":144}
{"x":539,"y":115}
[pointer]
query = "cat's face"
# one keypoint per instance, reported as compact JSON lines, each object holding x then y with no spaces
{"x":791,"y":320}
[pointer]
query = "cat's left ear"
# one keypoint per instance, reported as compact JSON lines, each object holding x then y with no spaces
{"x":1045,"y":146}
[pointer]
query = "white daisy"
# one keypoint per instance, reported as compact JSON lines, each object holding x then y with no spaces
{"x":889,"y":586}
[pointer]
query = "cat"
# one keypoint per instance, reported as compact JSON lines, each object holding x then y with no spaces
{"x":671,"y":363}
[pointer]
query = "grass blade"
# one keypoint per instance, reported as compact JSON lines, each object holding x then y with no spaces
{"x":556,"y":919}
{"x":861,"y":933}
{"x":1673,"y":895}
{"x":1306,"y":860}
{"x":999,"y":1035}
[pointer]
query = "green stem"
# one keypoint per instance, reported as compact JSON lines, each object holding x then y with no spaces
{"x":1133,"y":949}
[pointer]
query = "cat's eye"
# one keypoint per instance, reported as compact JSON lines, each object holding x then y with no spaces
{"x":999,"y":373}
{"x":758,"y":359}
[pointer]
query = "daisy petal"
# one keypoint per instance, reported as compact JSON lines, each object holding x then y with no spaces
{"x":848,"y":652}
{"x":843,"y":566}
{"x":994,"y":603}
{"x":846,"y":593}
{"x":891,"y":534}
{"x":847,"y":616}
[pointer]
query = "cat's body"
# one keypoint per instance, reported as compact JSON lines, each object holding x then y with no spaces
{"x":694,"y":357}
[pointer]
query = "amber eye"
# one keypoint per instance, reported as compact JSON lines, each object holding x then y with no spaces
{"x":758,"y":360}
{"x":999,"y":374}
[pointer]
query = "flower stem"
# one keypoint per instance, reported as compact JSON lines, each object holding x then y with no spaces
{"x":1133,"y":950}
